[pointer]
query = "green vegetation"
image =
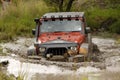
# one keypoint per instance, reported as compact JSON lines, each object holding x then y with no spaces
{"x":118,"y":41}
{"x":1,"y":52}
{"x":101,"y":14}
{"x":17,"y":19}
{"x":3,"y":76}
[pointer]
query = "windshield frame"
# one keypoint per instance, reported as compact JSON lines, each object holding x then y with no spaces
{"x":75,"y":20}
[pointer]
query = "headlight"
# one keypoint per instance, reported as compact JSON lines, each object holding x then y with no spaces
{"x":84,"y":48}
{"x":73,"y":48}
{"x":83,"y":51}
{"x":39,"y":41}
{"x":42,"y":49}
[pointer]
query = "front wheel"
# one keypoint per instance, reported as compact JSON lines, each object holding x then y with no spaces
{"x":90,"y":47}
{"x":93,"y":50}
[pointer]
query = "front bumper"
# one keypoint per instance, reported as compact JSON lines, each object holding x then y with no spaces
{"x":58,"y":48}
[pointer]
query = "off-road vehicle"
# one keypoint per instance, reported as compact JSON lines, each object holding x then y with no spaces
{"x":62,"y":34}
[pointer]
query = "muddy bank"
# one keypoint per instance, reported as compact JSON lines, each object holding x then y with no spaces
{"x":18,"y":47}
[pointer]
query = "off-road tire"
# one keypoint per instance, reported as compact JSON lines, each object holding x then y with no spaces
{"x":90,"y":47}
{"x":93,"y":51}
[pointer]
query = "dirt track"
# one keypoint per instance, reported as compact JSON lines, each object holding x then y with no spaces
{"x":110,"y":58}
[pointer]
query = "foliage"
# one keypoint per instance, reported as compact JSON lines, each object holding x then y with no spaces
{"x":97,"y":16}
{"x":2,"y":53}
{"x":3,"y":76}
{"x":17,"y":19}
{"x":60,"y":5}
{"x":118,"y":41}
{"x":101,"y":14}
{"x":115,"y":27}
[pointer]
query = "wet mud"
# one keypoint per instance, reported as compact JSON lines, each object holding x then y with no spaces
{"x":107,"y":69}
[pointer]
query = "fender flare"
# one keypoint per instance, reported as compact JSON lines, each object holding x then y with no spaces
{"x":31,"y":51}
{"x":84,"y":48}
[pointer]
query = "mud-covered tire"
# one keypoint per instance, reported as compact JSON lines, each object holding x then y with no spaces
{"x":93,"y":51}
{"x":96,"y":54}
{"x":90,"y":47}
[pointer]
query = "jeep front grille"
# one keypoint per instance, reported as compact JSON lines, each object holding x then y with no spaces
{"x":56,"y":51}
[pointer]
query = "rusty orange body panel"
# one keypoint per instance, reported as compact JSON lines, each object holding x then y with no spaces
{"x":76,"y":37}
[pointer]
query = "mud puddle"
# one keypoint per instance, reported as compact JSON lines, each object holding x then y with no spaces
{"x":32,"y":71}
{"x":42,"y":72}
{"x":110,"y":56}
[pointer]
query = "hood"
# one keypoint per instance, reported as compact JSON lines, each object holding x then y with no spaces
{"x":76,"y":37}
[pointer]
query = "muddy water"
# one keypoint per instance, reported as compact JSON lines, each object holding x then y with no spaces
{"x":110,"y":55}
{"x":41,"y":72}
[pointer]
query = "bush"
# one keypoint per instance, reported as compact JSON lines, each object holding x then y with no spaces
{"x":5,"y":77}
{"x":17,"y":20}
{"x":115,"y":28}
{"x":97,"y":13}
{"x":97,"y":16}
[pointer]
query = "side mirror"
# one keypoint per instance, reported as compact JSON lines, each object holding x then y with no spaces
{"x":88,"y":29}
{"x":36,"y":20}
{"x":33,"y":31}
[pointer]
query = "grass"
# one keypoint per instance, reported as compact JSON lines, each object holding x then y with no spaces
{"x":6,"y":76}
{"x":118,"y":41}
{"x":2,"y":53}
{"x":17,"y":19}
{"x":22,"y":75}
{"x":3,"y":76}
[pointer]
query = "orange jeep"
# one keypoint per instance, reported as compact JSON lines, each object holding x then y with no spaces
{"x":62,"y":34}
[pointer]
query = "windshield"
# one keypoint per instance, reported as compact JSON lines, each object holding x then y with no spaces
{"x":58,"y":25}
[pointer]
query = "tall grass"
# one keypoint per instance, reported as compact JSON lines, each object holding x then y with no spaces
{"x":22,"y":74}
{"x":17,"y":19}
{"x":4,"y":76}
